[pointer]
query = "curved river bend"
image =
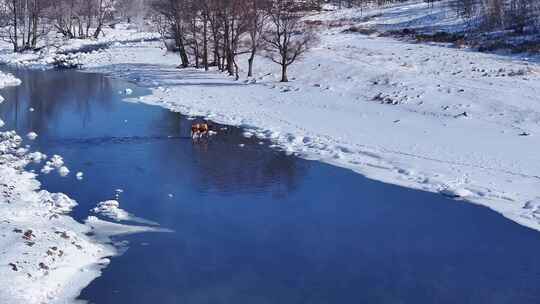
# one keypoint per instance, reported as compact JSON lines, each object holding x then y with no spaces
{"x":253,"y":225}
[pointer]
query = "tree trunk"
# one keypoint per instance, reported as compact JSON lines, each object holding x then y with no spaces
{"x":183,"y":54}
{"x":284,"y":77}
{"x":196,"y":49}
{"x":230,"y":63}
{"x":215,"y":50}
{"x":15,"y":27}
{"x":181,"y":47}
{"x":88,"y":25}
{"x":236,"y":71}
{"x":35,"y":21}
{"x":250,"y":62}
{"x":81,"y":28}
{"x":100,"y":19}
{"x":205,"y":44}
{"x":34,"y":31}
{"x":28,"y":26}
{"x":228,"y":50}
{"x":98,"y":30}
{"x":197,"y":56}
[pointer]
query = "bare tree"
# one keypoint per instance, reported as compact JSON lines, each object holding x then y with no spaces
{"x":226,"y":29}
{"x":257,"y":17}
{"x":102,"y":12}
{"x":288,"y":37}
{"x":174,"y":24}
{"x":22,"y":22}
{"x":76,"y":18}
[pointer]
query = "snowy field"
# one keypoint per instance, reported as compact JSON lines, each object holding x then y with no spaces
{"x":425,"y":116}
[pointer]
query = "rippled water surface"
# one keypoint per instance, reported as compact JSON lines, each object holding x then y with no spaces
{"x":253,"y":225}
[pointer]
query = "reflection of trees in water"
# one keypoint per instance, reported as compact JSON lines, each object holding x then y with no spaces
{"x":170,"y":123}
{"x":49,"y":92}
{"x":219,"y":164}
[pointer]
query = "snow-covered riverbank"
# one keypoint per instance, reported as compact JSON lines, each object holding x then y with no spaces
{"x":423,"y":116}
{"x":58,"y":51}
{"x":46,"y":256}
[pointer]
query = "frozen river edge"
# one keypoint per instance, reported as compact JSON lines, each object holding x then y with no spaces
{"x":46,"y":256}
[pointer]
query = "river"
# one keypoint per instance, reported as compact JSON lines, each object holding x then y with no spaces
{"x":252,"y":224}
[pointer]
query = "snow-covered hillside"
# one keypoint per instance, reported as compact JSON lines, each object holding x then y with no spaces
{"x":439,"y":21}
{"x":430,"y":117}
{"x":415,"y":15}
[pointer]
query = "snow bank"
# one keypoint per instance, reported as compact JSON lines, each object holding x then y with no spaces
{"x":43,"y":249}
{"x":60,"y":52}
{"x":8,"y":80}
{"x":46,"y":256}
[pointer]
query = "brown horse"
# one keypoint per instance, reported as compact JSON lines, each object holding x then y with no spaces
{"x":199,"y":130}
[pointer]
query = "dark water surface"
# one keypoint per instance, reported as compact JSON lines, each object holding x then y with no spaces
{"x":256,"y":226}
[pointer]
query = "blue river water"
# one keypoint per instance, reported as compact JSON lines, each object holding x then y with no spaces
{"x":252,"y":224}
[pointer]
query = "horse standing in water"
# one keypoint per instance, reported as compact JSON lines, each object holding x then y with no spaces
{"x":200,"y":130}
